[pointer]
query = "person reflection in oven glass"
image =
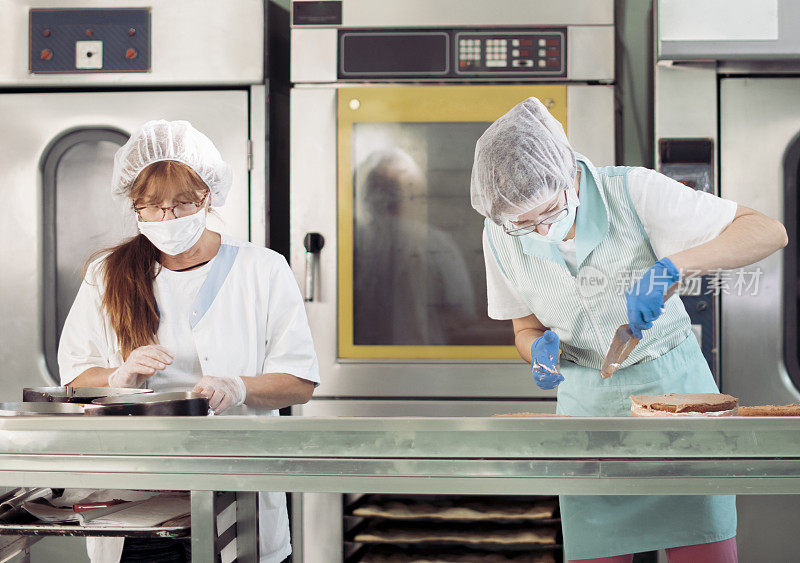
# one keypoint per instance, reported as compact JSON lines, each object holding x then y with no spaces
{"x":412,"y":285}
{"x":572,"y":252}
{"x":182,"y":308}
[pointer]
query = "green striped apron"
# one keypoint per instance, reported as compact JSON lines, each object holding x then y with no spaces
{"x":585,"y":309}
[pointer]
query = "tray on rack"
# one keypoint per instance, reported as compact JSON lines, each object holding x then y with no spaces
{"x":176,"y":528}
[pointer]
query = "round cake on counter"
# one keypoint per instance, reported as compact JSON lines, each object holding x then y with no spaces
{"x":685,"y":404}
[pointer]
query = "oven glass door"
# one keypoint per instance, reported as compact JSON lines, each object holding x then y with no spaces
{"x":412,"y":279}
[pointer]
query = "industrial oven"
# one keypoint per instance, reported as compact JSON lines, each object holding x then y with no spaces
{"x":727,"y":120}
{"x":76,"y":79}
{"x":387,"y":102}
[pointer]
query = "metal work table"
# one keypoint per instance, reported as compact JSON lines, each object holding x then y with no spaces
{"x":398,"y":455}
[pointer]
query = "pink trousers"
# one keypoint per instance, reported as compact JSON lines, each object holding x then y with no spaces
{"x":714,"y":552}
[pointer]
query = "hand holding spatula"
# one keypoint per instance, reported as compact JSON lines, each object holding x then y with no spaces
{"x":646,"y":301}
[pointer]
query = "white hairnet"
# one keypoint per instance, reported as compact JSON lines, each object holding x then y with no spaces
{"x":522,"y":160}
{"x":171,"y":140}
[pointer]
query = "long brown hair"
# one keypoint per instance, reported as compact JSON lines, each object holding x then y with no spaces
{"x":129,"y":268}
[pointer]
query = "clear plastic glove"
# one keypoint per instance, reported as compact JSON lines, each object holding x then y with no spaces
{"x":544,"y":361}
{"x":141,"y":364}
{"x":646,"y":297}
{"x":222,"y":392}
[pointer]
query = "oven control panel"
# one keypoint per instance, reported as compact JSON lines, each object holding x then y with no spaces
{"x":89,"y":40}
{"x":452,"y":54}
{"x":513,"y":53}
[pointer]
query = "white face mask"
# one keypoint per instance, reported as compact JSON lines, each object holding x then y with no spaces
{"x":174,"y":236}
{"x":557,"y":231}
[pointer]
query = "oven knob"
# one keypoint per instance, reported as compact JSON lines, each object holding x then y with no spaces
{"x":89,"y":33}
{"x":46,"y":33}
{"x":46,"y":55}
{"x":131,"y":54}
{"x":131,"y":32}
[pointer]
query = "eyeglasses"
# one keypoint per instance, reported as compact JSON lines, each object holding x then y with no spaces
{"x":520,"y":229}
{"x":157,"y":213}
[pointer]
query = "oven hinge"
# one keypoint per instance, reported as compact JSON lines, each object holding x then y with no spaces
{"x":249,"y":154}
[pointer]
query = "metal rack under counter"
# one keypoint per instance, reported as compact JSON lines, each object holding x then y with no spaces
{"x":520,"y":456}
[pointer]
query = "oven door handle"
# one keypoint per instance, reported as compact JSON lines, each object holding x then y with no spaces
{"x":313,"y":243}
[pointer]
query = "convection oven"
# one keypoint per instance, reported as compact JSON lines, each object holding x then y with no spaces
{"x":76,"y":78}
{"x":387,"y":102}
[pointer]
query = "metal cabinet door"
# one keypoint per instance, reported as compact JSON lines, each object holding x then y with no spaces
{"x":64,"y":143}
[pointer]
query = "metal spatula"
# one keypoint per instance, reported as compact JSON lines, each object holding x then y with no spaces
{"x":624,"y":342}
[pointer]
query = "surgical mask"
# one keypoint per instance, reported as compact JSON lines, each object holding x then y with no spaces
{"x":174,"y":236}
{"x":557,"y":231}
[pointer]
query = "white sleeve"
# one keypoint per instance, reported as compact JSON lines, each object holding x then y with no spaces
{"x":502,"y":297}
{"x":84,"y":342}
{"x":290,"y":348}
{"x":675,"y":216}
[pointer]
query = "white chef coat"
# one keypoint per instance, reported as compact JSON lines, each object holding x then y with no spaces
{"x":674,"y":216}
{"x":175,"y":293}
{"x":243,"y":315}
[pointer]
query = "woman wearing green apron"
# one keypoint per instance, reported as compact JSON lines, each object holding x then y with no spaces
{"x":572,"y":252}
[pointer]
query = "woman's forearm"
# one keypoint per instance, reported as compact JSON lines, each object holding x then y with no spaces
{"x":751,"y":237}
{"x":277,"y":390}
{"x":92,"y":377}
{"x":524,"y":340}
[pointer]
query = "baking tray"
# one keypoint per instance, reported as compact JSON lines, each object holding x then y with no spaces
{"x":75,"y":394}
{"x":176,"y":528}
{"x":151,"y":404}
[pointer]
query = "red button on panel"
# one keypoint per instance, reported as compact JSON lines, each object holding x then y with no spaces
{"x":46,"y":55}
{"x":131,"y":32}
{"x":89,"y":33}
{"x":131,"y":54}
{"x":46,"y":33}
{"x":551,"y":42}
{"x":463,"y":64}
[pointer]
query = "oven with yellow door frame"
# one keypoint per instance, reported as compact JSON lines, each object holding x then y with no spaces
{"x":385,"y":113}
{"x":388,"y":100}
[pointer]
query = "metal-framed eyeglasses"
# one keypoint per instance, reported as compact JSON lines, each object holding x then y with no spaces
{"x":520,"y":229}
{"x":152,"y":213}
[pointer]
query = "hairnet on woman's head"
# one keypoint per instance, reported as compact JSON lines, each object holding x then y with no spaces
{"x":171,"y":140}
{"x":522,"y":160}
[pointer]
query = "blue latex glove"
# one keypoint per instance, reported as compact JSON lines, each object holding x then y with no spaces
{"x":646,"y":297}
{"x":544,"y":361}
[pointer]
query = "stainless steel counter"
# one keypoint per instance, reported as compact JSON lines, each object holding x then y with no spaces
{"x":420,"y":455}
{"x":398,"y":455}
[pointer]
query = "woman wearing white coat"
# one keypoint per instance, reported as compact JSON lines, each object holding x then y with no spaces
{"x":179,"y":307}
